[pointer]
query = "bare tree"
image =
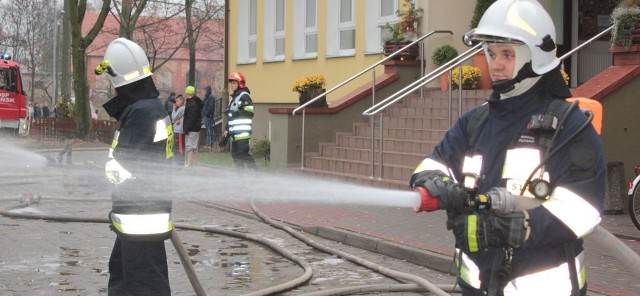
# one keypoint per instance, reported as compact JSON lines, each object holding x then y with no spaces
{"x":154,"y":27}
{"x":79,"y":44}
{"x":198,"y":13}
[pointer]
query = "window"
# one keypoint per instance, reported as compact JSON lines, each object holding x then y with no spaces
{"x":305,"y":29}
{"x":274,"y":30}
{"x":252,"y":29}
{"x":341,"y":31}
{"x":246,"y":31}
{"x":376,"y":17}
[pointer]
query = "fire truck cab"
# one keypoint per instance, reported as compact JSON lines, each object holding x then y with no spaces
{"x":13,"y":100}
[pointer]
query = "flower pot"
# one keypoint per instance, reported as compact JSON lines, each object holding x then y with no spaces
{"x":307,"y":95}
{"x":444,"y":82}
{"x":480,"y":61}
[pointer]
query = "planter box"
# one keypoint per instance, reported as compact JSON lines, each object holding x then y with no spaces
{"x":410,"y":54}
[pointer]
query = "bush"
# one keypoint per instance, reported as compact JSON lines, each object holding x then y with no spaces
{"x":261,"y":149}
{"x":624,"y":21}
{"x":444,"y":54}
{"x":478,"y":11}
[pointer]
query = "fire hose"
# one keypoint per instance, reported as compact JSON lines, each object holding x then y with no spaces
{"x":419,"y":285}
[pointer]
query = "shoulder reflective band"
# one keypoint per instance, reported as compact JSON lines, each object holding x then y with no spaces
{"x":142,"y":224}
{"x":249,"y":108}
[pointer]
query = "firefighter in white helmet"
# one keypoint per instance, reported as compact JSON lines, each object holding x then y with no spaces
{"x":525,"y":144}
{"x":138,"y":165}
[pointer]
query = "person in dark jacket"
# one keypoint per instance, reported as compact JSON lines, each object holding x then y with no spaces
{"x":192,"y":124}
{"x":208,"y":111}
{"x":240,"y":122}
{"x":168,"y":104}
{"x":139,"y":161}
{"x":518,"y":150}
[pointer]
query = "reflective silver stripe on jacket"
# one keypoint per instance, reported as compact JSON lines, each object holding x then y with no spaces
{"x":142,"y":224}
{"x":575,"y":212}
{"x":552,"y":281}
{"x":469,"y":271}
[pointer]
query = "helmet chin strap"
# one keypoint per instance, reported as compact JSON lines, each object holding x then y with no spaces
{"x":507,"y":85}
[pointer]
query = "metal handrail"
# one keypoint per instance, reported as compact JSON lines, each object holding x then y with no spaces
{"x":390,"y":100}
{"x":418,"y":84}
{"x":373,"y":86}
{"x":579,"y":47}
{"x":368,"y":69}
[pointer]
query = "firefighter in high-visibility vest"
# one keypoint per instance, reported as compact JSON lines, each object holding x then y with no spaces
{"x":240,"y":124}
{"x":138,"y":166}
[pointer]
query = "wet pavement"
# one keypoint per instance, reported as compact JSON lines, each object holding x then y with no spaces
{"x":396,"y":232}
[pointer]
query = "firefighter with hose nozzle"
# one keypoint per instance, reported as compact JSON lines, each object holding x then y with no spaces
{"x":522,"y":177}
{"x":138,"y":165}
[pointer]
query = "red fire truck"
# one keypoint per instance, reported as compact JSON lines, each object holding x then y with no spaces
{"x":13,"y":100}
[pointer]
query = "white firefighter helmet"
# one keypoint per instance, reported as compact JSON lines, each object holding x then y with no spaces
{"x":125,"y":62}
{"x":521,"y":22}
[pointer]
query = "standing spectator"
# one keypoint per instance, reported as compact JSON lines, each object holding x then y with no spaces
{"x":45,"y":110}
{"x":37,"y":110}
{"x":192,"y":124}
{"x":30,"y":110}
{"x":240,"y":112}
{"x":208,"y":121}
{"x":502,"y":153}
{"x":168,"y":104}
{"x":138,"y":162}
{"x":178,"y":129}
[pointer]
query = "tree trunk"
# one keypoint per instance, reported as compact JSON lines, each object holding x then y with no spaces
{"x":65,"y":59}
{"x":83,"y":120}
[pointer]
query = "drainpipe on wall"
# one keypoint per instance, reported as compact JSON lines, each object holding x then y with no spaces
{"x":225,"y":88}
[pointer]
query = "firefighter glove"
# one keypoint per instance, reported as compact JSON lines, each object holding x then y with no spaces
{"x":476,"y":232}
{"x":450,"y":195}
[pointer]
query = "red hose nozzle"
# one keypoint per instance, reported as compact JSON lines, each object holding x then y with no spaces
{"x":428,"y":203}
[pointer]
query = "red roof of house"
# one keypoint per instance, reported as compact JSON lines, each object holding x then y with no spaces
{"x":164,"y":34}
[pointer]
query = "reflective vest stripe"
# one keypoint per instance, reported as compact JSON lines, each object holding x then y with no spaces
{"x":472,"y":223}
{"x":142,"y":224}
{"x":242,"y":136}
{"x":249,"y":108}
{"x":240,"y":121}
{"x":240,"y":128}
{"x":166,"y":128}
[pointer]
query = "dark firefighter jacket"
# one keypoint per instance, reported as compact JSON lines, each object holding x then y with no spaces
{"x":139,"y":164}
{"x":576,"y":174}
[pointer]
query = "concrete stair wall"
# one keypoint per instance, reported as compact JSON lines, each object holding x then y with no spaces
{"x":411,"y":129}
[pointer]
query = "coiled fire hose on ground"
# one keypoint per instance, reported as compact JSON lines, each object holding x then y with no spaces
{"x":600,"y":235}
